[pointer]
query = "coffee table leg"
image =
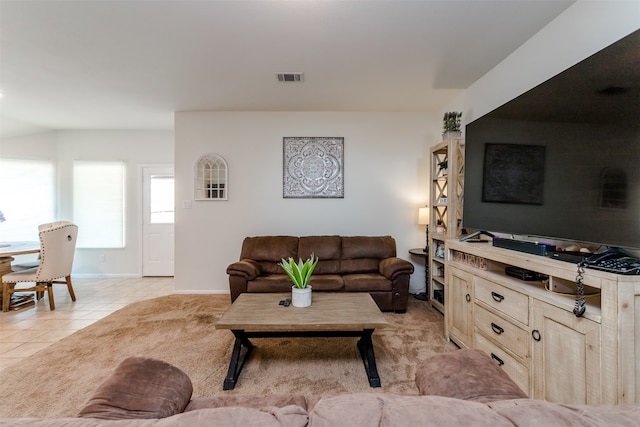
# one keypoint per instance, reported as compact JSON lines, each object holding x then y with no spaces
{"x":237,"y":359}
{"x":365,"y":345}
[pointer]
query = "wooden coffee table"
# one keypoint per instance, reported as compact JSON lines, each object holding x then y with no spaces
{"x":343,"y":314}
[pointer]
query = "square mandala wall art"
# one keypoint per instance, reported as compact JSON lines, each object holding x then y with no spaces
{"x":313,"y":167}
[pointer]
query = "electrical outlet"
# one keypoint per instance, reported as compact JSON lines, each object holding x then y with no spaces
{"x":102,"y":258}
{"x":186,"y":204}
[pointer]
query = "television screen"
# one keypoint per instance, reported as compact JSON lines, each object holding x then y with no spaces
{"x":562,"y":161}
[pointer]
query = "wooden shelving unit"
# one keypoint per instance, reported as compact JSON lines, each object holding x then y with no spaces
{"x":445,"y":202}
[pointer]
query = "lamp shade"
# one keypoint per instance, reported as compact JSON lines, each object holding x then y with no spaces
{"x":423,"y":216}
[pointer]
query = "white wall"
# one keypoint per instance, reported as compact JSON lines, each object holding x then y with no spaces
{"x":385,"y":175}
{"x":135,"y":148}
{"x":41,"y":146}
{"x":583,"y":29}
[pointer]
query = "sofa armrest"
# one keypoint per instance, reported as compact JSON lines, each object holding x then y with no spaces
{"x":140,"y":387}
{"x":246,"y":268}
{"x":467,"y":374}
{"x":393,"y":267}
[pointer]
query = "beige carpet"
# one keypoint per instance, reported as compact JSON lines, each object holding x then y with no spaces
{"x":180,"y":329}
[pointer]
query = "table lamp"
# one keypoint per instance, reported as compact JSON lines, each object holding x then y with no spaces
{"x":423,"y":219}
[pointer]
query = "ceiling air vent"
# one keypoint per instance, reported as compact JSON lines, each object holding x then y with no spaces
{"x":289,"y":77}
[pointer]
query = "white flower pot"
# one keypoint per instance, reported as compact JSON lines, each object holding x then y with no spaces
{"x":301,"y":297}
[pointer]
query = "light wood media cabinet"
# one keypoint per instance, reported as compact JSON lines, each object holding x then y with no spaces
{"x":528,"y":327}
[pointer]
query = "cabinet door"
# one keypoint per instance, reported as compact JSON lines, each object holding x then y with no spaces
{"x":566,"y":356}
{"x":459,"y":307}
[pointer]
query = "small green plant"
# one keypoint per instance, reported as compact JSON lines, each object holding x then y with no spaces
{"x":300,"y":273}
{"x":451,"y":121}
{"x":443,"y":165}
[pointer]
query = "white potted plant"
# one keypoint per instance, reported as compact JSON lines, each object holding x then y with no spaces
{"x":440,"y":226}
{"x":300,"y":274}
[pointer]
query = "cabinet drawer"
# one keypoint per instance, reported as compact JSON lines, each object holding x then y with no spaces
{"x":509,"y":302}
{"x":505,"y":333}
{"x":518,"y":372}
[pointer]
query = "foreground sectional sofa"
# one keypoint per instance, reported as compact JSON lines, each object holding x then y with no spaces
{"x":461,"y":388}
{"x":346,"y":263}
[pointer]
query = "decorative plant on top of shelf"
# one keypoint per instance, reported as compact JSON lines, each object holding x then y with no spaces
{"x":451,"y":122}
{"x":440,"y":226}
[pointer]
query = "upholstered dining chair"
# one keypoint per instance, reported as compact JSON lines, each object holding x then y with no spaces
{"x":26,"y":265}
{"x":57,"y":249}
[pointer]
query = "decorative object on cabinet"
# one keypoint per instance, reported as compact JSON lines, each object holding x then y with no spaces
{"x":211,"y":178}
{"x":312,"y":167}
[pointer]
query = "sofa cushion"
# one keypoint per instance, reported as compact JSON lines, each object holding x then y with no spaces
{"x":140,"y":387}
{"x":270,"y":283}
{"x":288,"y":416}
{"x":360,"y":265}
{"x":379,"y":247}
{"x":389,"y":410}
{"x":248,"y":401}
{"x":327,"y":282}
{"x":366,"y":283}
{"x":325,"y":248}
{"x":467,"y":374}
{"x":269,"y":251}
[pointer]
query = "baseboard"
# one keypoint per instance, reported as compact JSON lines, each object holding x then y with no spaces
{"x":200,"y":292}
{"x":104,"y":276}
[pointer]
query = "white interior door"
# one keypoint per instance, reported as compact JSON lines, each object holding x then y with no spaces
{"x":158,"y":219}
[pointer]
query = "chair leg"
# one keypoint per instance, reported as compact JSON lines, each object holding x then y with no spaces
{"x":52,"y":304}
{"x":6,"y":297}
{"x":73,"y":295}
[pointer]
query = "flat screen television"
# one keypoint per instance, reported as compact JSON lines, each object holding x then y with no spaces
{"x":562,"y":161}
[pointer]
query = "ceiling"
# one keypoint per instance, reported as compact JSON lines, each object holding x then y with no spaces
{"x":112,"y":64}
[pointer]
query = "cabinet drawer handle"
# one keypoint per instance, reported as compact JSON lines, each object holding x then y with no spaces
{"x":497,"y":329}
{"x":467,"y":297}
{"x":497,"y":297}
{"x":535,"y":334}
{"x":497,"y":359}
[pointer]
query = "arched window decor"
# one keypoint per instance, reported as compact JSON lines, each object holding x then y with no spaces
{"x":211,"y":177}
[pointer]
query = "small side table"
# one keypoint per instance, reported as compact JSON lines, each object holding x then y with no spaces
{"x":424,"y":254}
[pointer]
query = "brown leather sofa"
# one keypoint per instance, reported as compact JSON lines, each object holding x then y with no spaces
{"x":346,"y":263}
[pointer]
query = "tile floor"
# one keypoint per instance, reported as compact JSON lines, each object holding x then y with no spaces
{"x":24,"y":332}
